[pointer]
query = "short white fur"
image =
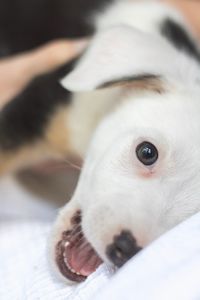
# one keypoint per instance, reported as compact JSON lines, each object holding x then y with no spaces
{"x":115,"y":190}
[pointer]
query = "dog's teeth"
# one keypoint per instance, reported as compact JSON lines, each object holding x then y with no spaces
{"x":67,"y":244}
{"x":65,"y":260}
{"x":72,"y":270}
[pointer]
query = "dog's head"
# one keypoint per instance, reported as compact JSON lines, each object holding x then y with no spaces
{"x":142,"y":173}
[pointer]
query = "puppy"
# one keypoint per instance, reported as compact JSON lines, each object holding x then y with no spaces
{"x":135,"y":118}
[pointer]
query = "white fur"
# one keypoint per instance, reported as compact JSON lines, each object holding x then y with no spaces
{"x":143,"y":15}
{"x":86,"y":111}
{"x":116,"y":191}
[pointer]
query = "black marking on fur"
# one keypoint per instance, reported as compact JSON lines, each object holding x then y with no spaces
{"x":24,"y":119}
{"x":180,"y":38}
{"x":129,"y":79}
{"x":23,"y":26}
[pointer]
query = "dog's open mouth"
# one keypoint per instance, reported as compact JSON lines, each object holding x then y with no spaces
{"x":75,"y":257}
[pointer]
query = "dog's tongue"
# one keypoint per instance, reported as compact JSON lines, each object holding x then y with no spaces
{"x":82,"y":258}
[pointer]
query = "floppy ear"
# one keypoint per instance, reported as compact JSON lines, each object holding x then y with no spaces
{"x":121,"y":54}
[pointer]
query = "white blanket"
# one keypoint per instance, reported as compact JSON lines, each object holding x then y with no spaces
{"x":167,"y":269}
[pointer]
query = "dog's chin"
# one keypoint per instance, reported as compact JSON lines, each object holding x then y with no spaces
{"x":75,"y":257}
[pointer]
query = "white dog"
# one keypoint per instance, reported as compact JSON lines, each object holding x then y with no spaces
{"x":139,"y":109}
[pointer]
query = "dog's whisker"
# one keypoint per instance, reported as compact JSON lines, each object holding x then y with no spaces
{"x":76,"y":231}
{"x":73,"y":165}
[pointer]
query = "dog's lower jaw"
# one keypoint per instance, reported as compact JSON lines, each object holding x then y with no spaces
{"x":64,"y":268}
{"x":73,"y":256}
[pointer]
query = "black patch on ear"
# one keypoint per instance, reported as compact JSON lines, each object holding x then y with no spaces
{"x":129,"y":79}
{"x":180,"y":38}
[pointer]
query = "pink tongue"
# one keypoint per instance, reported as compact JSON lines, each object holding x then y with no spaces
{"x":83,"y":259}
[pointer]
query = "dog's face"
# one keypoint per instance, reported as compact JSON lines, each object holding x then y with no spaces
{"x":140,"y":178}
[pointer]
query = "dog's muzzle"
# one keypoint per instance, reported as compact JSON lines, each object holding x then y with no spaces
{"x":77,"y":259}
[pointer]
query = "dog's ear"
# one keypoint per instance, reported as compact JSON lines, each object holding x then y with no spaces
{"x":122,"y":55}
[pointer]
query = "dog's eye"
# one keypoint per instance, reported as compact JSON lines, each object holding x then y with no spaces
{"x":147,"y":153}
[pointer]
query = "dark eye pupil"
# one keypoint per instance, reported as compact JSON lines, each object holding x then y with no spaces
{"x":147,"y":153}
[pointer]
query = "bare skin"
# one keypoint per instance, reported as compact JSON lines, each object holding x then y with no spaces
{"x":17,"y":71}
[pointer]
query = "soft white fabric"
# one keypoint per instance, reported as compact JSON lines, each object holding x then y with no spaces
{"x":24,"y":270}
{"x":167,"y":269}
{"x":25,"y":224}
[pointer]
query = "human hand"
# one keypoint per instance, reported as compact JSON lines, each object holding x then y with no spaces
{"x":17,"y":71}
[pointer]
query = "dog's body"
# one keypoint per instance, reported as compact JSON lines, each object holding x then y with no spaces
{"x":137,"y":105}
{"x":28,"y":123}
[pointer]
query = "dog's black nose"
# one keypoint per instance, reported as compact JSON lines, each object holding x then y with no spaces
{"x":123,"y":248}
